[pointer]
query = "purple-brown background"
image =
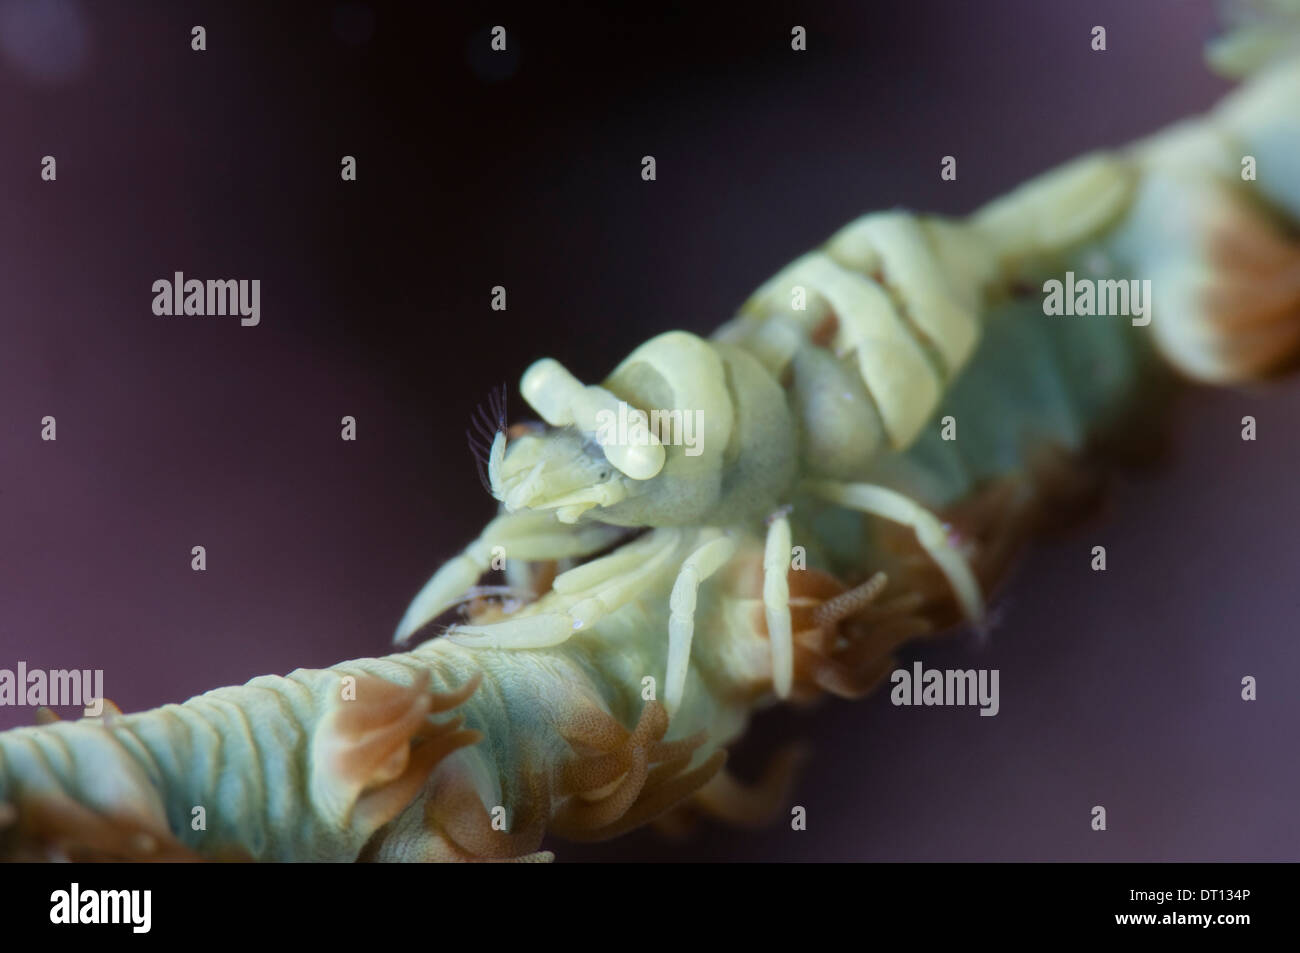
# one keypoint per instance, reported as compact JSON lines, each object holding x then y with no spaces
{"x":523,"y":169}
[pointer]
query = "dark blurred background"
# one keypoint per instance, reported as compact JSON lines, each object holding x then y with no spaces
{"x":523,"y":169}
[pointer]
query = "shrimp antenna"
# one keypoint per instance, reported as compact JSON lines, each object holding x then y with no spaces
{"x":485,"y":424}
